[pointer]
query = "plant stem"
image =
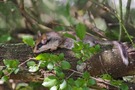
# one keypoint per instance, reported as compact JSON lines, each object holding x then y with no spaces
{"x":120,"y":20}
{"x":127,"y":12}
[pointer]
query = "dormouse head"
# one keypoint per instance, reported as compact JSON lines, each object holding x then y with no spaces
{"x":49,"y":41}
{"x":40,"y":42}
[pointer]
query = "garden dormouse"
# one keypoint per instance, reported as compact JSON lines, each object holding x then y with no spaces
{"x":52,"y":40}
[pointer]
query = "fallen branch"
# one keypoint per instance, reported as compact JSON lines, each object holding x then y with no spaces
{"x":106,"y":61}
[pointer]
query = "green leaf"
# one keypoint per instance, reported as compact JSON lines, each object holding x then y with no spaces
{"x":92,"y":50}
{"x":54,"y":88}
{"x":107,"y":77}
{"x":16,"y":71}
{"x":11,"y":63}
{"x":80,"y":30}
{"x":59,"y":28}
{"x":71,"y":81}
{"x":43,"y":56}
{"x":50,"y":57}
{"x":43,"y":64}
{"x":116,"y":82}
{"x":86,"y":88}
{"x":5,"y":38}
{"x":124,"y":87}
{"x":49,"y":82}
{"x":23,"y":86}
{"x":61,"y":56}
{"x":1,"y":73}
{"x":63,"y":85}
{"x":97,"y":48}
{"x":78,"y":55}
{"x":91,"y":82}
{"x":86,"y":75}
{"x":59,"y":72}
{"x":5,"y":78}
{"x":65,"y":65}
{"x":67,"y":9}
{"x":33,"y":68}
{"x":29,"y":41}
{"x":80,"y":82}
{"x":31,"y":63}
{"x":77,"y":88}
{"x":70,"y":36}
{"x":50,"y":66}
{"x":78,"y":46}
{"x":7,"y":71}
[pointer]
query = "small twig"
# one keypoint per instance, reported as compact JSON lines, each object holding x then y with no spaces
{"x":26,"y":61}
{"x":98,"y":80}
{"x":76,"y":71}
{"x":70,"y":75}
{"x":110,"y":10}
{"x":120,"y":20}
{"x":89,"y":25}
{"x":32,"y":21}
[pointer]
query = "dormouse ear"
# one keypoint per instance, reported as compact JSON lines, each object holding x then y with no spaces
{"x":43,"y":39}
{"x":39,"y":34}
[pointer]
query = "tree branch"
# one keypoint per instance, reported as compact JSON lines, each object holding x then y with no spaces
{"x":107,"y":61}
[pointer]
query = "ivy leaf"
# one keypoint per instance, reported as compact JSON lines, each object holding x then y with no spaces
{"x":29,"y":41}
{"x":65,"y":65}
{"x":80,"y":30}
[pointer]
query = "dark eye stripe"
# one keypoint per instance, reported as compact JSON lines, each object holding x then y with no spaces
{"x":41,"y":44}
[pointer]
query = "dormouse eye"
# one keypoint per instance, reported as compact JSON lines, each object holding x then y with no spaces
{"x":40,"y":45}
{"x":43,"y":42}
{"x":46,"y":41}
